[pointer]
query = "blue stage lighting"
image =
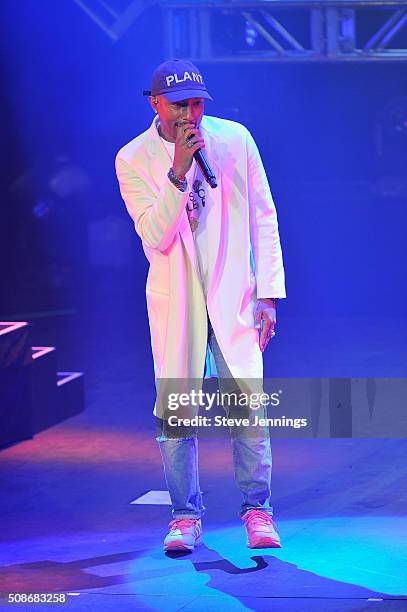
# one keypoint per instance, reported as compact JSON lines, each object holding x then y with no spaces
{"x":250,"y":34}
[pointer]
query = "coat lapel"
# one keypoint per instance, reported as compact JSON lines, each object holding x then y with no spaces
{"x":216,"y":217}
{"x":214,"y":201}
{"x":161,"y":161}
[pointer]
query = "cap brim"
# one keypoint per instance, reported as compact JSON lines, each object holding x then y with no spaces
{"x":177,"y":96}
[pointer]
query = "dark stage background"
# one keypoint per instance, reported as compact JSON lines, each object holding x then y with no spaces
{"x":335,"y":155}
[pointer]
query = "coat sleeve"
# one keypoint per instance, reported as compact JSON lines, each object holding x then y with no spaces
{"x":264,"y":235}
{"x":156,"y":217}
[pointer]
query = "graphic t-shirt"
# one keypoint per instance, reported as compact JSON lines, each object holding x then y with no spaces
{"x":197,"y":212}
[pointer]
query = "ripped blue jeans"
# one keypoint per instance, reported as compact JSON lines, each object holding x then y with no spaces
{"x":251,"y":459}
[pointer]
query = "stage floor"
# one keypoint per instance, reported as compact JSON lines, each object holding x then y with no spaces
{"x":68,"y":524}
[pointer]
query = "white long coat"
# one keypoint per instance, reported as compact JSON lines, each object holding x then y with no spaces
{"x":242,"y":232}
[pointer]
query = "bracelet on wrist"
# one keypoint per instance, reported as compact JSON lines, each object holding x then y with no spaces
{"x":179,"y":182}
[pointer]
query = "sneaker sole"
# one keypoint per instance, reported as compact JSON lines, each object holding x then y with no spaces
{"x":180,"y":546}
{"x":265,"y":543}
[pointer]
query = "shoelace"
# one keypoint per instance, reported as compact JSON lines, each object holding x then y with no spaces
{"x":260,"y":517}
{"x":179,"y":523}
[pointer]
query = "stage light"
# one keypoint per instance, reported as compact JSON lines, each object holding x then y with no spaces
{"x":250,"y":34}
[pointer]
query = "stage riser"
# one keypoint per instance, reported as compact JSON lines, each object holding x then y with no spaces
{"x":70,"y":395}
{"x":33,"y":395}
{"x":44,"y":389}
{"x":15,"y":405}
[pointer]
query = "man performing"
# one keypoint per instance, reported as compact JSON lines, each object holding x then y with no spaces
{"x":215,"y":275}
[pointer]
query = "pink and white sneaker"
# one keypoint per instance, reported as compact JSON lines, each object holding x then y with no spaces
{"x":184,"y":534}
{"x":261,"y":531}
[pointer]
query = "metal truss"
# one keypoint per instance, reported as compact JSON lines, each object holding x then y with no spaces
{"x":114,"y":17}
{"x":286,"y":30}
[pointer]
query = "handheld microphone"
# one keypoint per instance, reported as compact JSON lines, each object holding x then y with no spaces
{"x":206,"y":170}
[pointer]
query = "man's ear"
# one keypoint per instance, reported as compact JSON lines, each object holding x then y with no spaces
{"x":153,"y":101}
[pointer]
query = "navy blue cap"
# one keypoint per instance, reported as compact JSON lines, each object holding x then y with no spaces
{"x":178,"y":80}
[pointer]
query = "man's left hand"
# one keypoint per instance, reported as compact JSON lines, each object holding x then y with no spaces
{"x":265,"y":318}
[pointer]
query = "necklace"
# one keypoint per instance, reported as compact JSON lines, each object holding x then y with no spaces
{"x":160,"y":133}
{"x":158,"y":127}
